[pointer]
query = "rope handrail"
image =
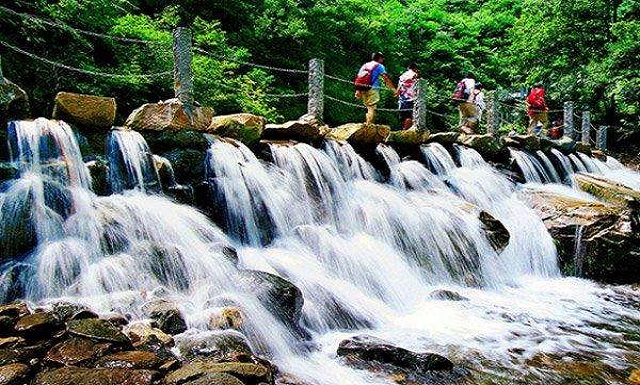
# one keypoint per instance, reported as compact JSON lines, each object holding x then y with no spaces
{"x":356,"y":105}
{"x":80,"y":31}
{"x":82,"y":71}
{"x":222,"y":57}
{"x":338,"y":79}
{"x":228,"y":87}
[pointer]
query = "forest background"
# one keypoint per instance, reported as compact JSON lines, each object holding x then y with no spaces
{"x":587,"y":51}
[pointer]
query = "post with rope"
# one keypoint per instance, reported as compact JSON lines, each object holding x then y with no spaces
{"x":492,"y":114}
{"x":182,"y":71}
{"x":568,"y":120}
{"x":601,"y":138}
{"x":586,"y":127}
{"x":315,"y":104}
{"x":420,"y":106}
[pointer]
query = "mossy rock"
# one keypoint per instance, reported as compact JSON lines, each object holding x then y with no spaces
{"x":97,"y":329}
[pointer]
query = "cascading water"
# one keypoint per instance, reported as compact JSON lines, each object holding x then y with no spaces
{"x":548,"y":167}
{"x":532,"y":169}
{"x":367,"y":255}
{"x":131,"y":163}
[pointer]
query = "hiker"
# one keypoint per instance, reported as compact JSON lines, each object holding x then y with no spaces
{"x":537,"y":109}
{"x":557,"y":130}
{"x":407,"y":94}
{"x":478,"y":100}
{"x":464,"y":95}
{"x":368,"y":84}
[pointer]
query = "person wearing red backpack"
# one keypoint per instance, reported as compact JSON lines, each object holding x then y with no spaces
{"x":537,"y":109}
{"x":464,"y":95}
{"x":367,"y":84}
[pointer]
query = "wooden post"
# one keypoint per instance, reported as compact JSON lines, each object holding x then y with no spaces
{"x":601,"y":138}
{"x":586,"y":127}
{"x":315,"y":104}
{"x":182,"y":72}
{"x":568,"y":120}
{"x":420,"y":106}
{"x":492,"y":113}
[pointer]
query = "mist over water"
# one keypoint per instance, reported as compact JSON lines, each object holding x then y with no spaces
{"x":365,"y":249}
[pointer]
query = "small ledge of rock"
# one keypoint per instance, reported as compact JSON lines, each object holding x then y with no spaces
{"x":365,"y":348}
{"x":360,"y":134}
{"x":247,"y":128}
{"x":299,"y":130}
{"x":98,"y":329}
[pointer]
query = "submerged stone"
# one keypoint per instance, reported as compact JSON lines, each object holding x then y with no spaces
{"x":168,"y":316}
{"x":130,"y":360}
{"x":447,"y":295}
{"x":219,"y":345}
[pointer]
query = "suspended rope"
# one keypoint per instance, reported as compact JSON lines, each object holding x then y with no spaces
{"x":292,"y":95}
{"x":338,"y":79}
{"x":262,"y":66}
{"x":82,"y":71}
{"x":80,"y":31}
{"x":360,"y":106}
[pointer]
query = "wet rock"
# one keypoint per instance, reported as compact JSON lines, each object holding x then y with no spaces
{"x":99,"y":171}
{"x":14,"y":374}
{"x":14,"y":103}
{"x":130,"y":360}
{"x":167,"y":315}
{"x":168,"y":115}
{"x":360,"y":134}
{"x":487,"y":145}
{"x":154,"y":345}
{"x":8,"y":171}
{"x":215,"y":379}
{"x":65,"y":310}
{"x":280,"y":296}
{"x":246,"y":128}
{"x":112,"y":376}
{"x":583,"y":148}
{"x":608,"y":191}
{"x":21,"y":354}
{"x":85,"y":110}
{"x":228,"y":317}
{"x":6,"y":325}
{"x":11,"y":342}
{"x":163,"y":142}
{"x":410,"y":137}
{"x":140,"y":333}
{"x":77,"y":352}
{"x":84,"y":314}
{"x":610,"y":241}
{"x":248,"y":373}
{"x":445,"y":137}
{"x":98,"y":329}
{"x":446,"y":295}
{"x":38,"y":325}
{"x":529,"y":143}
{"x":222,"y":345}
{"x":188,"y":165}
{"x":14,"y":310}
{"x":496,"y":232}
{"x":367,"y":348}
{"x":299,"y":130}
{"x":564,"y":144}
{"x":634,"y":377}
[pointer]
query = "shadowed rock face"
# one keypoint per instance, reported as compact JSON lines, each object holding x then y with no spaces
{"x":610,"y":243}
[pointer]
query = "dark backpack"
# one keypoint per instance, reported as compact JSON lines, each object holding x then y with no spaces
{"x":362,"y":82}
{"x":459,"y":93}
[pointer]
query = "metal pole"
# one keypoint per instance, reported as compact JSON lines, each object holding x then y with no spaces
{"x":601,"y":138}
{"x":492,"y":113}
{"x":420,"y":106}
{"x":586,"y":127}
{"x":315,"y":104}
{"x":182,"y":71}
{"x":568,"y":120}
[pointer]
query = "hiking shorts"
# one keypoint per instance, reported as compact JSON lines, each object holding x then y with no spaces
{"x":370,"y":97}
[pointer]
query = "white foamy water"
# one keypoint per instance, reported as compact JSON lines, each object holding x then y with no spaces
{"x":365,"y":254}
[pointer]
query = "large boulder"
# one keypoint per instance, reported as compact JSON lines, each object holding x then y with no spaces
{"x":360,"y":134}
{"x":97,"y":329}
{"x":167,"y":315}
{"x":246,"y":128}
{"x":76,"y":352}
{"x":168,"y":115}
{"x":529,"y":143}
{"x":14,"y":102}
{"x":487,"y":145}
{"x":374,"y":354}
{"x":496,"y":232}
{"x":38,"y":325}
{"x":299,"y":130}
{"x":248,"y":373}
{"x":85,"y":110}
{"x":609,"y":247}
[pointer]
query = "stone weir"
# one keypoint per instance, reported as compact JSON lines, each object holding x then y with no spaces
{"x":602,"y":234}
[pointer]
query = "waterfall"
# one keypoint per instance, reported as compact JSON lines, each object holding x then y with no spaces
{"x":48,"y":148}
{"x":565,"y":165}
{"x":578,"y":166}
{"x":549,"y":167}
{"x":367,"y":254}
{"x":531,"y":167}
{"x":131,"y":163}
{"x":438,"y":158}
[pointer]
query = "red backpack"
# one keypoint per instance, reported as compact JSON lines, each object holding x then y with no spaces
{"x":362,"y":82}
{"x":536,"y":98}
{"x":458,"y":93}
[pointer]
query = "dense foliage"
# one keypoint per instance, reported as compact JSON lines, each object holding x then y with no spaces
{"x":583,"y":50}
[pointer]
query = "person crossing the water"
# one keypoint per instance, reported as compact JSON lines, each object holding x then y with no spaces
{"x":367,"y":84}
{"x":537,"y":110}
